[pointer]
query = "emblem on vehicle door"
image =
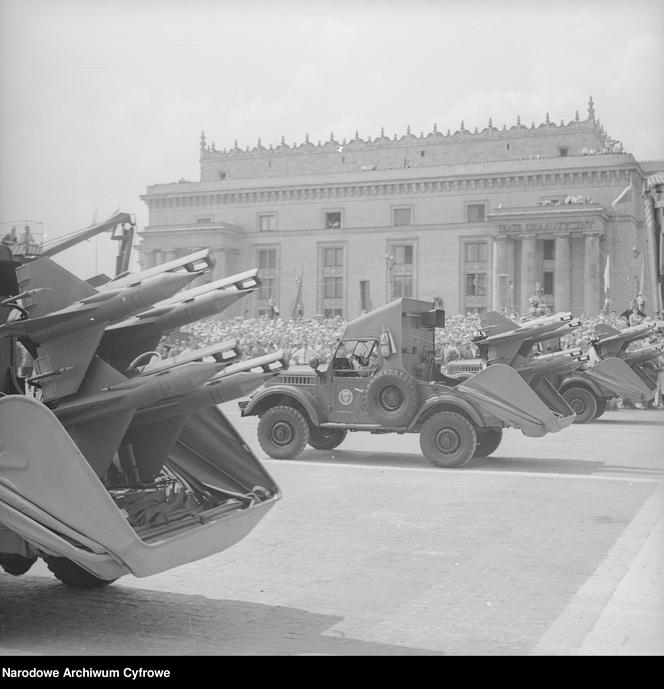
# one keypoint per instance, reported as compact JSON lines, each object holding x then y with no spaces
{"x":345,"y":396}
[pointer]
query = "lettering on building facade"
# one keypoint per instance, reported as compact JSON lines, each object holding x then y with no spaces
{"x":584,"y":226}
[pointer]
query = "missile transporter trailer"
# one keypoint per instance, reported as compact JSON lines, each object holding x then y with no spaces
{"x":111,"y":462}
{"x":568,"y":377}
{"x":383,"y":379}
{"x":618,"y":371}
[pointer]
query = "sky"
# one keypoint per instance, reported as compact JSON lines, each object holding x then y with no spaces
{"x":101,"y":98}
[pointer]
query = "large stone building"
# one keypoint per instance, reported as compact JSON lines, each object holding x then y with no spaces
{"x":480,"y":219}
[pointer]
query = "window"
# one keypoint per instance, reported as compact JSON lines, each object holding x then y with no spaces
{"x":403,"y":254}
{"x":333,"y":257}
{"x":267,"y":222}
{"x":549,"y":249}
{"x":422,"y":154}
{"x":402,"y":286}
{"x":563,"y":151}
{"x":475,"y":284}
{"x":401,"y":267}
{"x":333,"y":220}
{"x":267,"y":259}
{"x":476,"y":251}
{"x":475,"y":212}
{"x":331,"y":267}
{"x":267,"y":288}
{"x":365,"y":297}
{"x":203,"y":221}
{"x":547,"y":286}
{"x":475,"y":269}
{"x":402,"y":216}
{"x":332,"y":288}
{"x":331,"y":313}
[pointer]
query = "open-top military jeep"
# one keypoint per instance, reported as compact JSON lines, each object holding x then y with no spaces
{"x":383,"y":378}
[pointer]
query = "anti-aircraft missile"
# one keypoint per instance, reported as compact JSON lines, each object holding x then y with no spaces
{"x":238,"y":380}
{"x":195,"y":263}
{"x":509,"y":339}
{"x":122,"y":341}
{"x":221,"y":352}
{"x":191,"y":305}
{"x":553,"y":363}
{"x":611,"y":341}
{"x":98,"y":309}
{"x":163,"y":387}
{"x":640,"y":356}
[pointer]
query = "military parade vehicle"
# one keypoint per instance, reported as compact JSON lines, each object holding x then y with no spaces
{"x":586,"y":383}
{"x":618,"y":372}
{"x":383,"y":379}
{"x":114,"y":460}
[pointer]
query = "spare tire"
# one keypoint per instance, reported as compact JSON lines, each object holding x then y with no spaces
{"x":392,"y":398}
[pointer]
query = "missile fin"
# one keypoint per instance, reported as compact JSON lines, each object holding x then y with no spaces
{"x":99,"y":439}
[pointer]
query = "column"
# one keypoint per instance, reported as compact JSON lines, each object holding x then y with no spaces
{"x":528,"y":267}
{"x":171,"y":255}
{"x":499,"y":284}
{"x":591,"y":275}
{"x":562,"y":272}
{"x":510,"y":269}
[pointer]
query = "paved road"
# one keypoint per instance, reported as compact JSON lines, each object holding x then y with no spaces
{"x":552,"y":546}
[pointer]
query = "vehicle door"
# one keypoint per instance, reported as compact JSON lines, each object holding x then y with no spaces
{"x":352,"y":367}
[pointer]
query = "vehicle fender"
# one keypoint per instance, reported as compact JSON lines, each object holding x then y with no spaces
{"x":448,"y":402}
{"x":583,"y":381}
{"x":285,"y":394}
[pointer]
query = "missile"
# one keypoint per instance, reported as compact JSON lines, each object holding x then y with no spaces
{"x":238,"y":380}
{"x":222,"y":353}
{"x":554,"y":363}
{"x":98,"y":309}
{"x":640,"y":356}
{"x":611,"y":341}
{"x":197,"y":262}
{"x":163,"y":388}
{"x":165,"y":317}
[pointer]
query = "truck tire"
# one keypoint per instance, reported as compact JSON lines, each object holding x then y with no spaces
{"x":448,"y":440}
{"x":71,"y":574}
{"x":488,"y":441}
{"x":392,"y":398}
{"x":601,"y":407}
{"x":326,"y":438}
{"x":283,"y":432}
{"x":16,"y":564}
{"x":583,"y":403}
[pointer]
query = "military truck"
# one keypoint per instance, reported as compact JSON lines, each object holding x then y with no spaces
{"x":383,"y":379}
{"x":114,"y":460}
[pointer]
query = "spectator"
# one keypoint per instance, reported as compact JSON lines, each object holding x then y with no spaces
{"x":10,"y":239}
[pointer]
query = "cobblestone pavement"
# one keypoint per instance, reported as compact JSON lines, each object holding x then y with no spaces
{"x":553,"y":546}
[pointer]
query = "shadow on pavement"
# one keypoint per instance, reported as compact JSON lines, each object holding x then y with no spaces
{"x":42,"y":617}
{"x":556,"y":465}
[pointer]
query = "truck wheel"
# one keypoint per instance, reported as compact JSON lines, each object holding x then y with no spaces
{"x":583,"y":403}
{"x":16,"y":564}
{"x":488,"y":441}
{"x":392,"y":398}
{"x":283,"y":432}
{"x":71,"y":574}
{"x":601,"y":407}
{"x":326,"y":438}
{"x":448,"y":440}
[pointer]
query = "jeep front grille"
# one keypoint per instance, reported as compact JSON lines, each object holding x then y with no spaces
{"x":296,"y":380}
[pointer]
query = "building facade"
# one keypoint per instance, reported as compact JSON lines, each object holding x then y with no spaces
{"x":480,"y":219}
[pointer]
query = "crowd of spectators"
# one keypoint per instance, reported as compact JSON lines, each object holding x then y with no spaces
{"x":303,"y":338}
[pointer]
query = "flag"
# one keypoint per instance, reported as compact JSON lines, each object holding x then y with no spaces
{"x":298,"y":308}
{"x":622,"y":194}
{"x":607,"y":274}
